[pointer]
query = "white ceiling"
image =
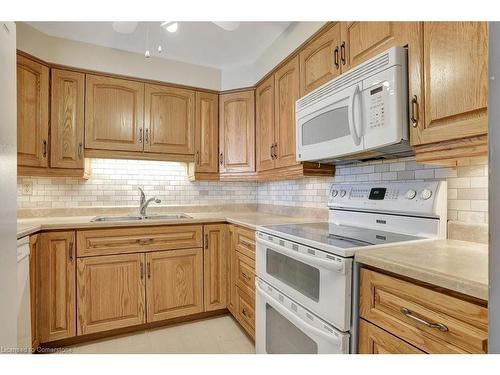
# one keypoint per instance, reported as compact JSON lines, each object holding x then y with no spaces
{"x":201,"y":43}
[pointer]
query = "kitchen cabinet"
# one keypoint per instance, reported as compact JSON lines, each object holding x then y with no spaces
{"x":319,"y":59}
{"x":237,"y":133}
{"x":110,"y":292}
{"x":215,"y":266}
{"x":264,"y":112}
{"x":169,"y":120}
{"x":454,"y":96}
{"x":373,"y":340}
{"x":206,"y":138}
{"x":174,"y":283}
{"x":56,"y":298}
{"x":34,"y":244}
{"x":67,"y":119}
{"x":32,"y":113}
{"x":426,"y":318}
{"x":114,"y":114}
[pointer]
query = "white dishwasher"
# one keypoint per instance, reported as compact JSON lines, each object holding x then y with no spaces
{"x":23,"y":296}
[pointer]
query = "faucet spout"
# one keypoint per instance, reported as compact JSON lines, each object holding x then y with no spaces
{"x":144,"y":205}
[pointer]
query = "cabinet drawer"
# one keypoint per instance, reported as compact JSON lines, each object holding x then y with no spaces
{"x":132,"y":240}
{"x":430,"y":320}
{"x":245,"y":310}
{"x":245,"y":273}
{"x":245,"y":242}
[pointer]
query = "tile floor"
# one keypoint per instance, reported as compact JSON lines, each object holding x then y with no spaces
{"x":218,"y":335}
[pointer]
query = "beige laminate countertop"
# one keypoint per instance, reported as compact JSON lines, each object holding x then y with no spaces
{"x":459,"y":266}
{"x":250,"y":220}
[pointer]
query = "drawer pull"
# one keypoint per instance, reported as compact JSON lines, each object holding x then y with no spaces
{"x":245,"y":276}
{"x":245,"y":313}
{"x":406,"y":312}
{"x":144,"y":241}
{"x":246,"y":243}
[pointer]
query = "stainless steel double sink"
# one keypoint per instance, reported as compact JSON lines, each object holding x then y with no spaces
{"x":139,"y":217}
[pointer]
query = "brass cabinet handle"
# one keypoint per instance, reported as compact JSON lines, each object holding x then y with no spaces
{"x":245,"y":275}
{"x":271,"y":150}
{"x":142,"y":271}
{"x":80,"y":150}
{"x":342,"y":53}
{"x":146,"y":138}
{"x":336,"y":57}
{"x":406,"y":312}
{"x":414,"y":111}
{"x":245,"y":313}
{"x":198,"y":157}
{"x":221,"y":157}
{"x":140,"y":135}
{"x":206,"y":241}
{"x":44,"y":143}
{"x":70,"y":251}
{"x":149,"y":270}
{"x":276,"y":151}
{"x":246,"y":243}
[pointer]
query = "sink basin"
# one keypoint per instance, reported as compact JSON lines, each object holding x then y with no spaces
{"x":139,"y":217}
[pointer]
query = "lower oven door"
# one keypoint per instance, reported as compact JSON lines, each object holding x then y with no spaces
{"x":319,"y":281}
{"x":284,"y":327}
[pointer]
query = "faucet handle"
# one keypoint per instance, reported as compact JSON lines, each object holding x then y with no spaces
{"x":157,"y":200}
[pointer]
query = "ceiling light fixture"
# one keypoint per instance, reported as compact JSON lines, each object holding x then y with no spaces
{"x":228,"y":26}
{"x":124,"y":27}
{"x":170,"y":26}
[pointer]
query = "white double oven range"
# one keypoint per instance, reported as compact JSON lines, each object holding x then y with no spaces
{"x":307,"y":280}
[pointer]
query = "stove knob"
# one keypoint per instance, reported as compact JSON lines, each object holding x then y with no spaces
{"x":410,"y":194}
{"x":342,"y":193}
{"x":334,"y":193}
{"x":426,"y":194}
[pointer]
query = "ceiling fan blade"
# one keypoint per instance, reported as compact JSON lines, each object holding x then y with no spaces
{"x":228,"y":26}
{"x":125,"y":27}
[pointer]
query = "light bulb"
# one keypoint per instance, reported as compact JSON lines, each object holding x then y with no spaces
{"x":171,"y":26}
{"x":147,"y":54}
{"x":159,"y":48}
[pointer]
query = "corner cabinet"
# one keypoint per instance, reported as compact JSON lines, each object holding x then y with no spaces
{"x":114,"y":114}
{"x":57,"y":294}
{"x":237,"y":134}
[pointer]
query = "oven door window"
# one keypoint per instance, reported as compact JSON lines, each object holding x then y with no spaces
{"x":283,"y":337}
{"x":297,"y":275}
{"x":330,"y":125}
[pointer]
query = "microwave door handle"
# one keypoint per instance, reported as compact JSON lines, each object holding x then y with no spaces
{"x":352,"y":118}
{"x":294,"y":319}
{"x":339,"y":267}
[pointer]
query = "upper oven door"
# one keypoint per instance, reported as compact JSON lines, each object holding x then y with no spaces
{"x":331,"y":127}
{"x":317,"y":280}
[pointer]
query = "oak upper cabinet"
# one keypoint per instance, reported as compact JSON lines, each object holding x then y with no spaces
{"x":67,"y":119}
{"x":169,"y":120}
{"x":215,"y":266}
{"x":32,"y":113}
{"x":237,"y":132}
{"x":264,"y":110}
{"x":114,"y":114}
{"x":110,"y":292}
{"x":455,"y":83}
{"x":286,"y":93}
{"x":206,"y":135}
{"x":320,"y":60}
{"x":174,"y":285}
{"x":56,"y":298}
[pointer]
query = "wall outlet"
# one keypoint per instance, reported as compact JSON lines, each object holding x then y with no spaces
{"x":27,"y":188}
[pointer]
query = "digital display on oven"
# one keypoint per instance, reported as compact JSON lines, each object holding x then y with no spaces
{"x":374,"y":91}
{"x":377,"y":193}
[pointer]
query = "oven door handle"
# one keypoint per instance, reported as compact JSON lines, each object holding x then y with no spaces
{"x":296,"y":320}
{"x":338,"y":267}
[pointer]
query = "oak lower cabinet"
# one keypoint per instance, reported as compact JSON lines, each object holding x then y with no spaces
{"x":402,"y":315}
{"x":111,"y":292}
{"x":215,"y":266}
{"x":56,"y":295}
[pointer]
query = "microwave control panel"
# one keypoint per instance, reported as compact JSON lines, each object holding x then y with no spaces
{"x":376,"y":106}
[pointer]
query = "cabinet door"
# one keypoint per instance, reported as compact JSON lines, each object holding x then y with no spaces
{"x":207,"y":133}
{"x":455,"y":59}
{"x":215,"y":267}
{"x":67,"y":119}
{"x":34,"y":273}
{"x":110,"y":292}
{"x":320,"y":60}
{"x":264,"y":124}
{"x":232,"y":271}
{"x":169,"y":120}
{"x":286,"y":94}
{"x":57,"y":303}
{"x":114,"y":114}
{"x":373,"y":340}
{"x":237,"y":132}
{"x":32,"y":113}
{"x":175,"y":283}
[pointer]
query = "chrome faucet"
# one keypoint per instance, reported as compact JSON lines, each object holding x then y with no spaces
{"x":143,"y":205}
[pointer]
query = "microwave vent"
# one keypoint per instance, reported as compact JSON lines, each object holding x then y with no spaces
{"x":344,"y":80}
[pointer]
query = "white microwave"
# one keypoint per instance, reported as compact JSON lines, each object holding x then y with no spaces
{"x":359,"y":115}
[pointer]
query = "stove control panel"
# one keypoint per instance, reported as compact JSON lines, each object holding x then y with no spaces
{"x":412,"y":197}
